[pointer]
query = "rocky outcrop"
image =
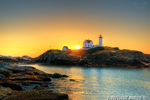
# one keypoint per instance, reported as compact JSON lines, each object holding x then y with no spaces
{"x":5,"y":72}
{"x":58,"y":57}
{"x":4,"y":92}
{"x":99,"y":56}
{"x":2,"y":76}
{"x":57,"y":75}
{"x":11,"y":84}
{"x":119,"y":58}
{"x":37,"y":93}
{"x":14,"y":78}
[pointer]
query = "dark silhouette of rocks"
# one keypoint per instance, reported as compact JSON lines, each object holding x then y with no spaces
{"x":15,"y":59}
{"x":99,"y":57}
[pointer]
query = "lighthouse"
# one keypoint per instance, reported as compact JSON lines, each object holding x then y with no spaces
{"x":100,"y":41}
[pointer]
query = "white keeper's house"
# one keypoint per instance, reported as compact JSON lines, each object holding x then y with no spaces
{"x":87,"y":44}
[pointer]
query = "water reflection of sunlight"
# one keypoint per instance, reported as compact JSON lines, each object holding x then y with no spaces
{"x":98,"y":83}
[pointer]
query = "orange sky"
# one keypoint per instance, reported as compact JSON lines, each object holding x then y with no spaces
{"x":33,"y":34}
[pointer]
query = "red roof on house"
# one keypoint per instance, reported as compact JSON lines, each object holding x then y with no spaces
{"x":66,"y":47}
{"x":69,"y":51}
{"x":88,"y":41}
{"x":100,"y":36}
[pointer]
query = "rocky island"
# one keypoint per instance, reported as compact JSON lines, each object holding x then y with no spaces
{"x":13,"y":78}
{"x":97,"y":57}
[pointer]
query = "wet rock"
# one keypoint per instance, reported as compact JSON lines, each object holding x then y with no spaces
{"x":2,"y":76}
{"x":27,"y":68}
{"x":29,"y":82}
{"x":64,"y":75}
{"x":37,"y":93}
{"x":44,"y":85}
{"x":56,"y":75}
{"x":11,"y":84}
{"x":37,"y":87}
{"x":36,"y":73}
{"x":26,"y":83}
{"x":44,"y":77}
{"x":29,"y":73}
{"x":72,"y":80}
{"x":4,"y":92}
{"x":17,"y":70}
{"x":50,"y":75}
{"x":5,"y":72}
{"x":26,"y":77}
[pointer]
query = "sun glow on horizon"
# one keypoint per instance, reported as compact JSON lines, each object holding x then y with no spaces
{"x":77,"y":47}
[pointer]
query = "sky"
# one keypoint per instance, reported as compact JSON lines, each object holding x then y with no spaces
{"x":31,"y":27}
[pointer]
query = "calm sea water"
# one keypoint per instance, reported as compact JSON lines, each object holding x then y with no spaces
{"x":99,"y":83}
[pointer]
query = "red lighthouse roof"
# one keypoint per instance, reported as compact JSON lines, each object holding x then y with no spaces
{"x":100,"y":36}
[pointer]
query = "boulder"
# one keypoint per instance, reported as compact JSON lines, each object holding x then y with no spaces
{"x":18,"y":69}
{"x":5,"y":72}
{"x":64,"y":75}
{"x":11,"y":84}
{"x":44,"y":77}
{"x":38,"y":87}
{"x":72,"y":80}
{"x":2,"y":76}
{"x":56,"y":75}
{"x":29,"y":82}
{"x":4,"y":92}
{"x":44,"y":85}
{"x":36,"y":73}
{"x":29,"y":73}
{"x":37,"y":93}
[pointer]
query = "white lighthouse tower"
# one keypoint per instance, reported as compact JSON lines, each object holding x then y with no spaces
{"x":100,"y":41}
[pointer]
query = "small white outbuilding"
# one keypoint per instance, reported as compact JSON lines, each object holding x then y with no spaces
{"x":65,"y":48}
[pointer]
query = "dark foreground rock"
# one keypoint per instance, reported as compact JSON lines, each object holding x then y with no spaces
{"x":13,"y":78}
{"x":11,"y":59}
{"x":11,"y":84}
{"x":4,"y":92}
{"x":5,"y":72}
{"x":37,"y":93}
